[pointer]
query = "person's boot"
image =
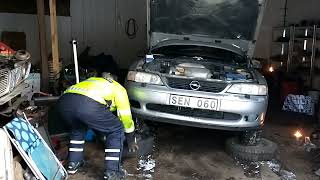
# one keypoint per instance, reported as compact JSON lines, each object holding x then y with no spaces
{"x":115,"y":175}
{"x":73,"y":167}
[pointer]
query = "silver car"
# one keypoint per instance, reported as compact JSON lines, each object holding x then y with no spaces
{"x":199,"y":71}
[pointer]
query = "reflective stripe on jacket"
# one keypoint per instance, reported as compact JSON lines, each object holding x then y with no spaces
{"x":103,"y":91}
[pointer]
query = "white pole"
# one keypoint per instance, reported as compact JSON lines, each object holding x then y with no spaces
{"x":75,"y":58}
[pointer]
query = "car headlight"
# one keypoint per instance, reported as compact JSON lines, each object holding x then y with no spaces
{"x":250,"y":89}
{"x":143,"y":77}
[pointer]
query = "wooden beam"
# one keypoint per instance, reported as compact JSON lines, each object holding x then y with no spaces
{"x":54,"y":36}
{"x":43,"y":46}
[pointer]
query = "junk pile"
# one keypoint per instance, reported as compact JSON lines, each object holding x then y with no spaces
{"x":256,"y":169}
{"x":25,"y":142}
{"x":278,"y":169}
{"x":311,"y":145}
{"x":146,"y":166}
{"x":88,"y":66}
{"x":298,"y":103}
{"x":17,"y":84}
{"x":6,"y":51}
{"x":37,"y":158}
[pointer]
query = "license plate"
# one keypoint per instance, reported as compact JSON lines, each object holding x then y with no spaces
{"x":193,"y":102}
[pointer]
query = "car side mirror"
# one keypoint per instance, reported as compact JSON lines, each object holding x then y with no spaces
{"x":256,"y":64}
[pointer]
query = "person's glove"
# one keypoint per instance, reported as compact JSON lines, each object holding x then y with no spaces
{"x":132,"y":142}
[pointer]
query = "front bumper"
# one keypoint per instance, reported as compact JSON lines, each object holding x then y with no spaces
{"x":249,"y":110}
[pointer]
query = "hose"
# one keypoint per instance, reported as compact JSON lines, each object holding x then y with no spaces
{"x":131,"y":28}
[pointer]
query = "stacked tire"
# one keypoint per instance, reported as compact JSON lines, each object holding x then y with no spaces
{"x":263,"y":151}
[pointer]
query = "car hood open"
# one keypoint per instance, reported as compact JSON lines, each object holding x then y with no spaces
{"x":234,"y":22}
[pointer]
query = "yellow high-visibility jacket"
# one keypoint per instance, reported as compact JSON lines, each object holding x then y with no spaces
{"x":103,"y":91}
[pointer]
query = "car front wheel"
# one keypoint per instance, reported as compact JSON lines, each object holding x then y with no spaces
{"x":250,"y":138}
{"x":264,"y":151}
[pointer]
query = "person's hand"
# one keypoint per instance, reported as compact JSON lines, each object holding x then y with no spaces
{"x":132,"y":142}
{"x":133,"y":147}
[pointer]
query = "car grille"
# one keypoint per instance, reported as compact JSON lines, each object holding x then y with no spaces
{"x":207,"y":86}
{"x":4,"y":82}
{"x":191,"y":112}
{"x":135,"y":104}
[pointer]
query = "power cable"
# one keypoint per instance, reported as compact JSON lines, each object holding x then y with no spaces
{"x":131,"y":28}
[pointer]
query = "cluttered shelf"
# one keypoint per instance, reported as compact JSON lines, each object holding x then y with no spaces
{"x":280,"y":42}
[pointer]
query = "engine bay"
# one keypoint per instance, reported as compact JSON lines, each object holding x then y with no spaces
{"x":196,"y":67}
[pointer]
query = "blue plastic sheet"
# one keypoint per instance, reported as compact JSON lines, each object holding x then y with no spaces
{"x":35,"y":147}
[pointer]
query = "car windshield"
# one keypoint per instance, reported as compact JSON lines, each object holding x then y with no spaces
{"x":201,"y":53}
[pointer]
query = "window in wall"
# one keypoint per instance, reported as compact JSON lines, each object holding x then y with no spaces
{"x":30,"y":7}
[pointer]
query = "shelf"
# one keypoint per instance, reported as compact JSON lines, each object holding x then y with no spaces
{"x":304,"y":27}
{"x":281,"y":28}
{"x":296,"y":27}
{"x":284,"y":59}
{"x":302,"y":38}
{"x":302,"y":70}
{"x":279,"y":42}
{"x":293,"y":45}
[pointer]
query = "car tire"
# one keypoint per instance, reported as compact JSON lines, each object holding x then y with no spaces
{"x":250,"y":138}
{"x":263,"y":151}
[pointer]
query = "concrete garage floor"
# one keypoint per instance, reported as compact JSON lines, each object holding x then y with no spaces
{"x":193,"y":153}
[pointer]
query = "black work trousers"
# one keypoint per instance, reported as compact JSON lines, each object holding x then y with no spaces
{"x":81,"y":112}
